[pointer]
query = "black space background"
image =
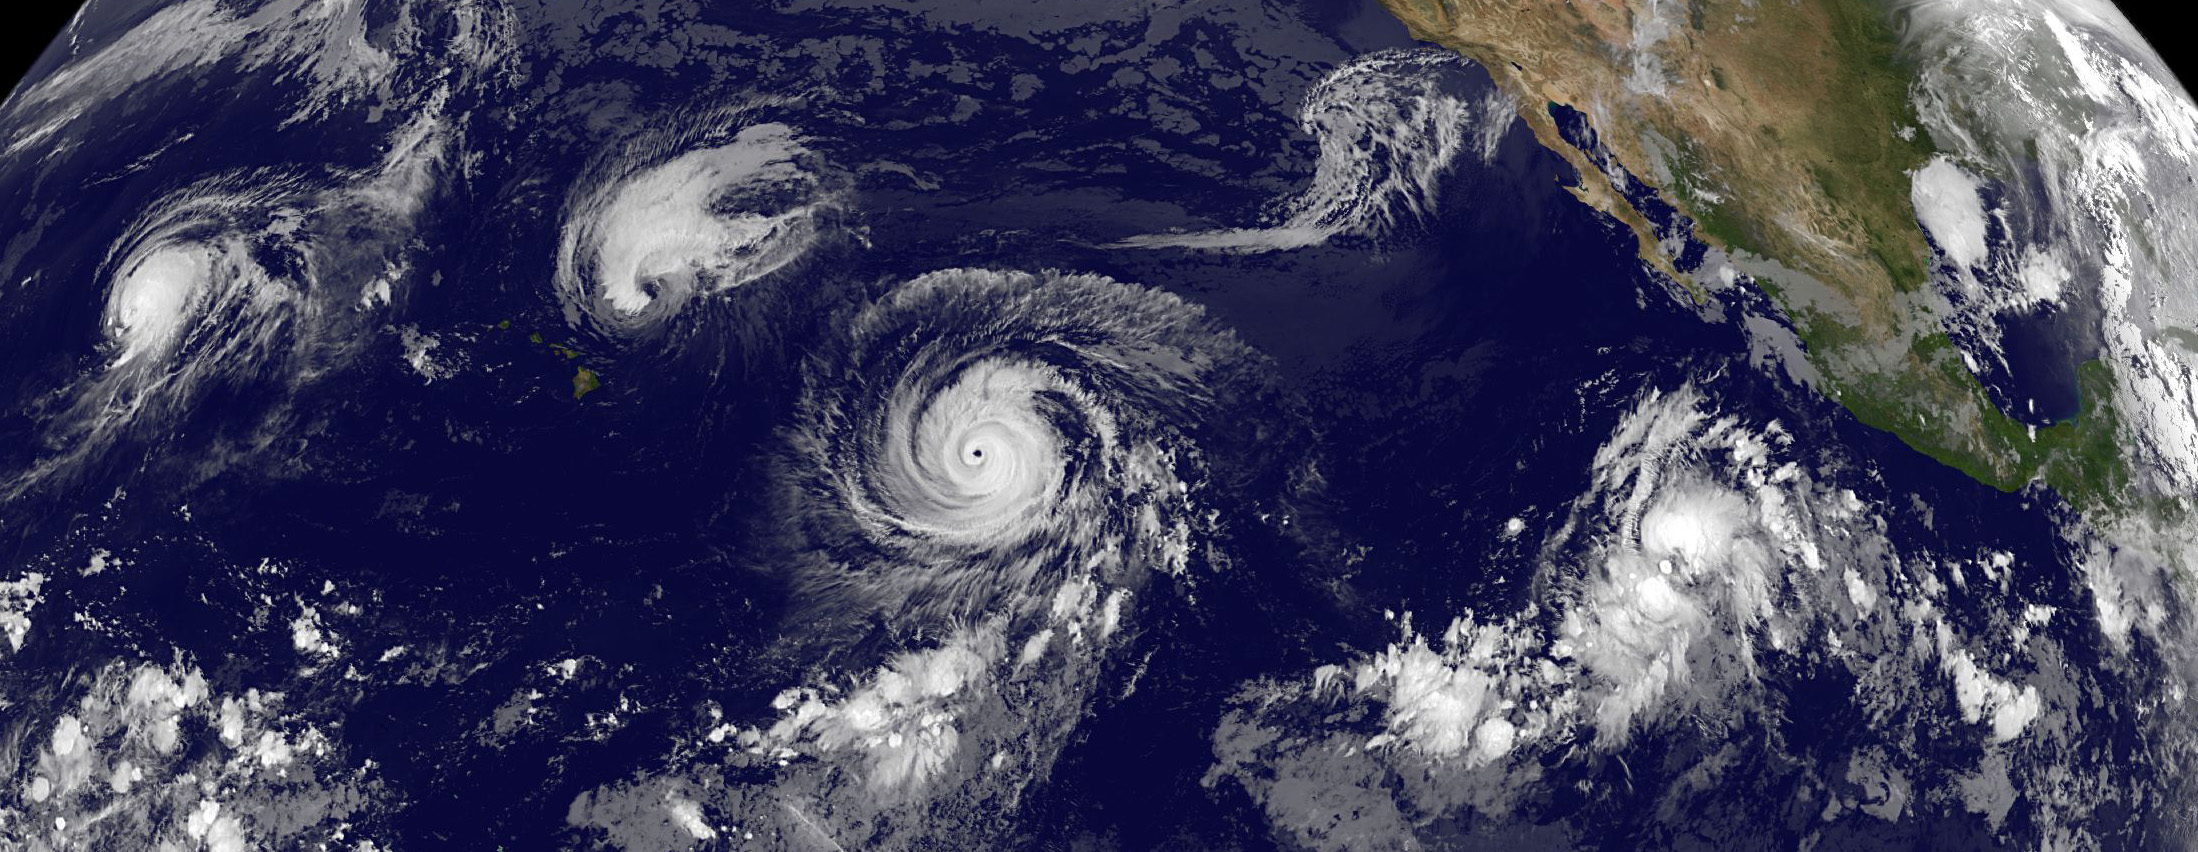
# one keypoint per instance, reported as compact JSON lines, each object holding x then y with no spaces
{"x":32,"y":24}
{"x":26,"y":30}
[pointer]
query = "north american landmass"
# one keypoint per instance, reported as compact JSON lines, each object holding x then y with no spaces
{"x":1784,"y":130}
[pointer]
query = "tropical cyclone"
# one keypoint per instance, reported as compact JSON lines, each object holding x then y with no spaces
{"x":1786,"y":133}
{"x":993,"y":471}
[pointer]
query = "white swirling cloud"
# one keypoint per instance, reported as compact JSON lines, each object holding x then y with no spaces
{"x":1006,"y":430}
{"x":643,"y":239}
{"x":189,"y":304}
{"x":993,"y":468}
{"x":250,"y":278}
{"x":1389,"y":125}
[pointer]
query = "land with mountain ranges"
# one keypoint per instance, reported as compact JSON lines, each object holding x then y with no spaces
{"x":1786,"y":133}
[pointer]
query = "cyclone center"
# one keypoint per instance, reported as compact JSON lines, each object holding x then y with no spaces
{"x":153,"y":299}
{"x":668,"y":233}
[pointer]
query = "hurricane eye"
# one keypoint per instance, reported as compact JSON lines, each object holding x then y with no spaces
{"x":1013,"y":405}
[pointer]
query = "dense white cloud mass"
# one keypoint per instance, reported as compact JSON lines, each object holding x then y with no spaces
{"x":151,"y":756}
{"x":1710,"y":553}
{"x":2085,"y":141}
{"x":244,"y":280}
{"x":999,"y":465}
{"x":658,"y":226}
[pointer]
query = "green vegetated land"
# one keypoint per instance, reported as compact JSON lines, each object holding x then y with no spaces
{"x":1796,"y":141}
{"x":584,"y":380}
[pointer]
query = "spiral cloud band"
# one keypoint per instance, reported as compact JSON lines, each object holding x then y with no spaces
{"x":645,"y":240}
{"x":1389,"y":126}
{"x":993,"y":467}
{"x":237,"y":282}
{"x":189,"y":301}
{"x":996,"y":430}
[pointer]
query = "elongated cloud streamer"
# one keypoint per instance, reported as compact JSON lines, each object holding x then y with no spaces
{"x":1389,"y":126}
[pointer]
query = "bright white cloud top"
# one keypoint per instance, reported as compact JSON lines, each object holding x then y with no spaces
{"x":646,"y":238}
{"x":1389,"y":126}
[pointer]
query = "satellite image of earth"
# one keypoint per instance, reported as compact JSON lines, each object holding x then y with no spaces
{"x":1192,"y":425}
